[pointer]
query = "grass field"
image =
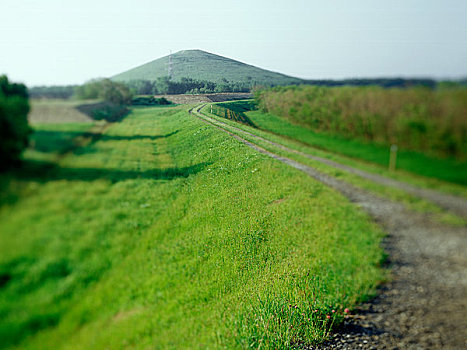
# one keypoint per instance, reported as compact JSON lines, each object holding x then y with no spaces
{"x":166,"y":233}
{"x":428,"y":121}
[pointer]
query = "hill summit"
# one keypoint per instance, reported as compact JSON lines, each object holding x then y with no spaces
{"x":201,"y":65}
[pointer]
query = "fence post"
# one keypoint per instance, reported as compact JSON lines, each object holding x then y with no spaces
{"x":393,"y":158}
{"x":211,"y":109}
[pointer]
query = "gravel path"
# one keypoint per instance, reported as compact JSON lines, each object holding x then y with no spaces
{"x":425,"y":304}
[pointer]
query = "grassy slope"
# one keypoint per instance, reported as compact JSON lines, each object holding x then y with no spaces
{"x":202,"y":65}
{"x":167,"y":232}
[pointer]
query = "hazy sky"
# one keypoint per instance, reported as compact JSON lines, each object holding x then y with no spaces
{"x":67,"y":42}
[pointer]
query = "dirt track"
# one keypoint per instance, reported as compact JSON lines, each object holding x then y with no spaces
{"x":425,"y":304}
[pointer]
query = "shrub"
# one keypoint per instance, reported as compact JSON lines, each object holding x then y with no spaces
{"x":150,"y":101}
{"x":106,"y":90}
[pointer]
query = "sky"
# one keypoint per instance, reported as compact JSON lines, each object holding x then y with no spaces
{"x":57,"y":42}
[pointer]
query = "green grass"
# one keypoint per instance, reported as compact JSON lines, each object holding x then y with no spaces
{"x":201,"y":65}
{"x":168,"y":233}
{"x":53,"y":139}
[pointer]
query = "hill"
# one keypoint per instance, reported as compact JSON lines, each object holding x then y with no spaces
{"x":201,"y":65}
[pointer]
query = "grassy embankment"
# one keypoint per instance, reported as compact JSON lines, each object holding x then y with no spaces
{"x":166,"y":232}
{"x":296,"y":137}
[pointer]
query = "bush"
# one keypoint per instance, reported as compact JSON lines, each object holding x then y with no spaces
{"x":104,"y":110}
{"x":14,"y":128}
{"x":150,"y":101}
{"x":106,"y":90}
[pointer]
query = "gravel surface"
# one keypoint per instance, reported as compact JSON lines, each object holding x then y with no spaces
{"x":425,"y":304}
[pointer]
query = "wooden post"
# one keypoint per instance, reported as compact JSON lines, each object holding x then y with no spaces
{"x":393,"y":158}
{"x":211,"y":109}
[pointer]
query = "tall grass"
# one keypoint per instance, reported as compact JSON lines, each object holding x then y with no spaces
{"x":417,"y":119}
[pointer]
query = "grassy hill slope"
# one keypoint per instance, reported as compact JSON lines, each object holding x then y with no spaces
{"x":201,"y":65}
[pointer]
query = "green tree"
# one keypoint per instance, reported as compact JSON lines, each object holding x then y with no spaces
{"x":105,"y":89}
{"x":14,"y":128}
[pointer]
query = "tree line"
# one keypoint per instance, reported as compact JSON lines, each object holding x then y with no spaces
{"x":104,"y":89}
{"x":164,"y":86}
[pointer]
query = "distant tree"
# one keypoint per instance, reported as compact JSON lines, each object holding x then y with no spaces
{"x":164,"y":85}
{"x":64,"y":92}
{"x":105,"y":89}
{"x":89,"y":90}
{"x":383,"y":82}
{"x":14,"y":128}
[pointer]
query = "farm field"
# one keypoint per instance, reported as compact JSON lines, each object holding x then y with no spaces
{"x":60,"y":111}
{"x":164,"y":232}
{"x":57,"y":111}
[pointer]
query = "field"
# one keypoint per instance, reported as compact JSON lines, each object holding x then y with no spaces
{"x":52,"y":111}
{"x":163,"y":232}
{"x":57,"y":111}
{"x":429,"y":121}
